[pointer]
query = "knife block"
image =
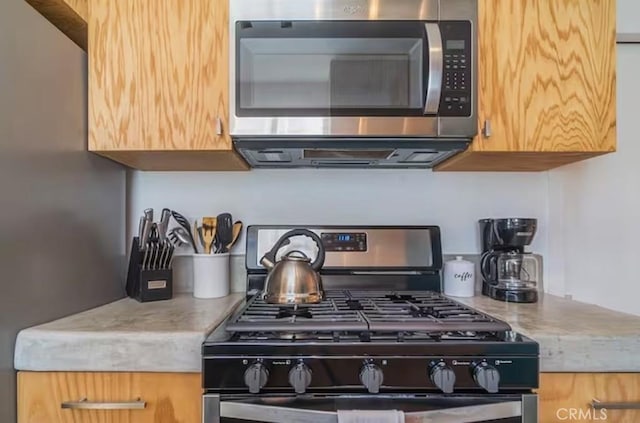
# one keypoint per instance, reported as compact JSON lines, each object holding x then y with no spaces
{"x":145,"y":284}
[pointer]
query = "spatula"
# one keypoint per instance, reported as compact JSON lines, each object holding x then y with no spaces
{"x":208,"y":233}
{"x":182,"y":221}
{"x":237,"y":229}
{"x":224,"y":232}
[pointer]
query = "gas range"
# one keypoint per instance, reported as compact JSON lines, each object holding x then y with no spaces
{"x":408,"y":346}
{"x":406,"y":340}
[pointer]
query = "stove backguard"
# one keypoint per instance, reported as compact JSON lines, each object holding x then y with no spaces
{"x":358,"y":257}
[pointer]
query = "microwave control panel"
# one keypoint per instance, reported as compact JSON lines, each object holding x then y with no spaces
{"x":457,"y":51}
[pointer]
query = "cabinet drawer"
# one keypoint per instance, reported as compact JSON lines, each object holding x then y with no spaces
{"x":92,"y":397}
{"x":569,"y":397}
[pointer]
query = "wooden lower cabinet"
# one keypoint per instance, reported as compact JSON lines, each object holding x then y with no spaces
{"x":168,"y":397}
{"x":566,"y":397}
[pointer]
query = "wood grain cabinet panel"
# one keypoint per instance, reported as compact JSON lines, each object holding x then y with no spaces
{"x":169,"y":397}
{"x":560,"y":393}
{"x":546,"y":82}
{"x":158,"y":84}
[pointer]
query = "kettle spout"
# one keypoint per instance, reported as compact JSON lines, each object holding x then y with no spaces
{"x":267,"y":263}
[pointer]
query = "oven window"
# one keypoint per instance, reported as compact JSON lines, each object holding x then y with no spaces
{"x":330,"y":68}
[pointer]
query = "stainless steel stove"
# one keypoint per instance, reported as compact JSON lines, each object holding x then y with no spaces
{"x":384,"y":337}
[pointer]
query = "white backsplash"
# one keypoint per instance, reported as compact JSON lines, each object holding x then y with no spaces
{"x":453,"y":201}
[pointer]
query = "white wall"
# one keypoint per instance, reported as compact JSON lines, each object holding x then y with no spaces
{"x":594,"y":209}
{"x":628,"y":16}
{"x":454,"y":201}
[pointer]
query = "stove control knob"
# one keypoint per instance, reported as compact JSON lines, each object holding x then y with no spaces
{"x":371,"y":377}
{"x":300,"y":377}
{"x":443,"y":377}
{"x":487,"y":377}
{"x":255,"y":377}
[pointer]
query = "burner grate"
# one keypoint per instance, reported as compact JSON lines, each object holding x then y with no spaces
{"x":403,"y":316}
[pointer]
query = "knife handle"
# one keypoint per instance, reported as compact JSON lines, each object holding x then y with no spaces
{"x":146,"y":231}
{"x":141,"y":229}
{"x":163,"y":226}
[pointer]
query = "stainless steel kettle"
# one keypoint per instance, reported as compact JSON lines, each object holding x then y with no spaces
{"x":293,"y":279}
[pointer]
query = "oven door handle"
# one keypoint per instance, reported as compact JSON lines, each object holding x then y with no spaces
{"x":274,"y":414}
{"x":434,"y":79}
{"x":527,"y":408}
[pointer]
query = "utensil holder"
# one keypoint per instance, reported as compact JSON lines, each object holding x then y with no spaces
{"x":210,"y":275}
{"x":147,"y":284}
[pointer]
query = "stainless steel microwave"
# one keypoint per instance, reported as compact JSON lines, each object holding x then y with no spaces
{"x":387,"y":83}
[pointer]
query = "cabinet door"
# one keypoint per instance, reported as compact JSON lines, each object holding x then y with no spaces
{"x":159,"y":83}
{"x":168,"y":397}
{"x":568,"y":396}
{"x":546,"y":83}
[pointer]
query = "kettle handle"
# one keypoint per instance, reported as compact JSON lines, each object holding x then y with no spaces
{"x":284,"y":240}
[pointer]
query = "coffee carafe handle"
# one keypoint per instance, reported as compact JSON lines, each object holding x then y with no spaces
{"x":485,"y":266}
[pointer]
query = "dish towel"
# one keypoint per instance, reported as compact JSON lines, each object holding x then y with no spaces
{"x":370,"y":416}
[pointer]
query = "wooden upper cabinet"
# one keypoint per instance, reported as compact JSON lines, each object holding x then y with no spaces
{"x":546,"y":83}
{"x":159,"y":84}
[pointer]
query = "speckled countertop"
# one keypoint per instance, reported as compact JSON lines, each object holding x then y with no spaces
{"x":161,"y":336}
{"x":573,"y":336}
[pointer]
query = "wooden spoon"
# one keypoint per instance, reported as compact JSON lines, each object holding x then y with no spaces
{"x":209,"y":225}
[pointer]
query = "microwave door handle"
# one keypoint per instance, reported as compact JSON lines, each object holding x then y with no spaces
{"x":434,"y":80}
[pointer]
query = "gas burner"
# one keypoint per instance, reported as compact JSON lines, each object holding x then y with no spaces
{"x":399,"y":299}
{"x":294,"y":312}
{"x":423,"y":312}
{"x":354,"y":305}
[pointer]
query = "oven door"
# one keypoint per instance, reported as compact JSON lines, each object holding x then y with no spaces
{"x":417,"y":408}
{"x":349,"y":78}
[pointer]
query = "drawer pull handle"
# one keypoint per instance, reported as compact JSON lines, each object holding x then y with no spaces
{"x":83,"y":404}
{"x":486,"y":131}
{"x":218,"y":126}
{"x":599,"y":405}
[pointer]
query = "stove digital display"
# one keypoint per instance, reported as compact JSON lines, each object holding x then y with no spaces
{"x":352,"y":241}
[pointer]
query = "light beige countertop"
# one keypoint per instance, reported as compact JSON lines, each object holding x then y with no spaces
{"x":573,"y":336}
{"x":160,"y":336}
{"x":166,"y":336}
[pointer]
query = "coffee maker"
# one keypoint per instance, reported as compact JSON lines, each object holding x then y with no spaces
{"x":508,"y":272}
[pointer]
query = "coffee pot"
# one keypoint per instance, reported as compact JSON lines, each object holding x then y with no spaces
{"x":509,"y":273}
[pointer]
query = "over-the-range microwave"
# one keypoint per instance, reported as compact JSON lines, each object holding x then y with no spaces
{"x":352,"y":83}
